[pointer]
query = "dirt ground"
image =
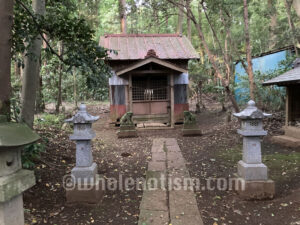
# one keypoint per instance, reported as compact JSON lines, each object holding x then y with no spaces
{"x":215,"y":154}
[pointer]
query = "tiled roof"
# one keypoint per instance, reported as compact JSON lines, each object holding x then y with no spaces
{"x":292,"y":76}
{"x":136,"y":46}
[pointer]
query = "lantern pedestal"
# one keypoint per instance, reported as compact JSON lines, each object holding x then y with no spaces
{"x":252,"y":177}
{"x":85,"y":173}
{"x":252,"y":171}
{"x":127,"y":127}
{"x":89,"y":193}
{"x":254,"y":189}
{"x":190,"y":127}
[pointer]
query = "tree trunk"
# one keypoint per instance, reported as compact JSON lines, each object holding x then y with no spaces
{"x":296,"y":5}
{"x":248,"y":52}
{"x":218,"y":73}
{"x":60,"y":71}
{"x":122,"y":14}
{"x":17,"y":70}
{"x":211,"y":57}
{"x":75,"y":87}
{"x":39,"y":104}
{"x":189,"y":27}
{"x":6,"y":20}
{"x":31,"y":71}
{"x":273,"y":22}
{"x":180,"y":17}
{"x":291,"y":23}
{"x":199,"y":97}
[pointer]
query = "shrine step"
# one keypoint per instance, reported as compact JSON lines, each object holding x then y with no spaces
{"x":287,"y":141}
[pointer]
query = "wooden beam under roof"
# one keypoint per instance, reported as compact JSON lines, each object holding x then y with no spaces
{"x":152,"y":60}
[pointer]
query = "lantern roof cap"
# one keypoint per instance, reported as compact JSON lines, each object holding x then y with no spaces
{"x":82,"y":116}
{"x":16,"y":135}
{"x":251,"y":112}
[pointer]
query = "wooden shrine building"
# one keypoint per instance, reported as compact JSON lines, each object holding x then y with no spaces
{"x":290,"y":80}
{"x":150,"y":76}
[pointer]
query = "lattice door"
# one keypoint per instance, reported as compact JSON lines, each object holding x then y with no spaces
{"x":150,"y":88}
{"x":150,"y":95}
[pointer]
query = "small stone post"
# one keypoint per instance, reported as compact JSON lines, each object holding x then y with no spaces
{"x":251,"y":170}
{"x":13,"y":179}
{"x":85,"y":180}
{"x":190,"y":127}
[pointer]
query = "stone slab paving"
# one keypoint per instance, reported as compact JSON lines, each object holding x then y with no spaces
{"x":176,"y":204}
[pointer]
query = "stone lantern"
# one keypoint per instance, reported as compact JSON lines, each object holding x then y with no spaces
{"x":251,"y":170}
{"x":85,"y":182}
{"x":13,"y":179}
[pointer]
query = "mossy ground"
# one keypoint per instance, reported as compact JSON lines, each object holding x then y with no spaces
{"x":282,"y":166}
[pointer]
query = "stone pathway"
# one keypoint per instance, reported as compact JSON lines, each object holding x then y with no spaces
{"x":168,"y":199}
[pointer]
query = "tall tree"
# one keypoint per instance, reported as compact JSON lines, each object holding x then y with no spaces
{"x":60,"y":72}
{"x":212,"y":58}
{"x":180,"y":17}
{"x":188,"y":22}
{"x":248,"y":52}
{"x":6,"y":20}
{"x":122,"y":14}
{"x":288,"y":5}
{"x":296,"y":5}
{"x":273,"y":22}
{"x":39,"y":102}
{"x":31,"y":71}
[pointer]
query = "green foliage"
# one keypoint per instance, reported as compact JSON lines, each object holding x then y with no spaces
{"x":31,"y":153}
{"x":49,"y":120}
{"x":62,"y":22}
{"x":78,"y":24}
{"x":201,"y":76}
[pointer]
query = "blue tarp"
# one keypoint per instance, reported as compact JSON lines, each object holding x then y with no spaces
{"x":262,"y":64}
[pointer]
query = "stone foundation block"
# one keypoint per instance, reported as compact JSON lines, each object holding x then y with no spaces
{"x":127,"y":133}
{"x":127,"y":127}
{"x":191,"y":132}
{"x":255,"y":190}
{"x":12,"y":212}
{"x":252,"y":171}
{"x":15,"y":184}
{"x":85,"y":174}
{"x":86,"y":193}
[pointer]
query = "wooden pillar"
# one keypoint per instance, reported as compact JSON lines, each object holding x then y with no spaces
{"x":172,"y":99}
{"x":288,"y":105}
{"x":130,"y":93}
{"x":187,"y":95}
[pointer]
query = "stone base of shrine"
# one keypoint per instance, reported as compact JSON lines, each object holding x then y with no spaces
{"x":191,"y":132}
{"x":255,"y":190}
{"x":86,"y":193}
{"x":127,"y":134}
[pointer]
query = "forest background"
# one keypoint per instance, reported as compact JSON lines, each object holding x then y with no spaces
{"x":69,"y":66}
